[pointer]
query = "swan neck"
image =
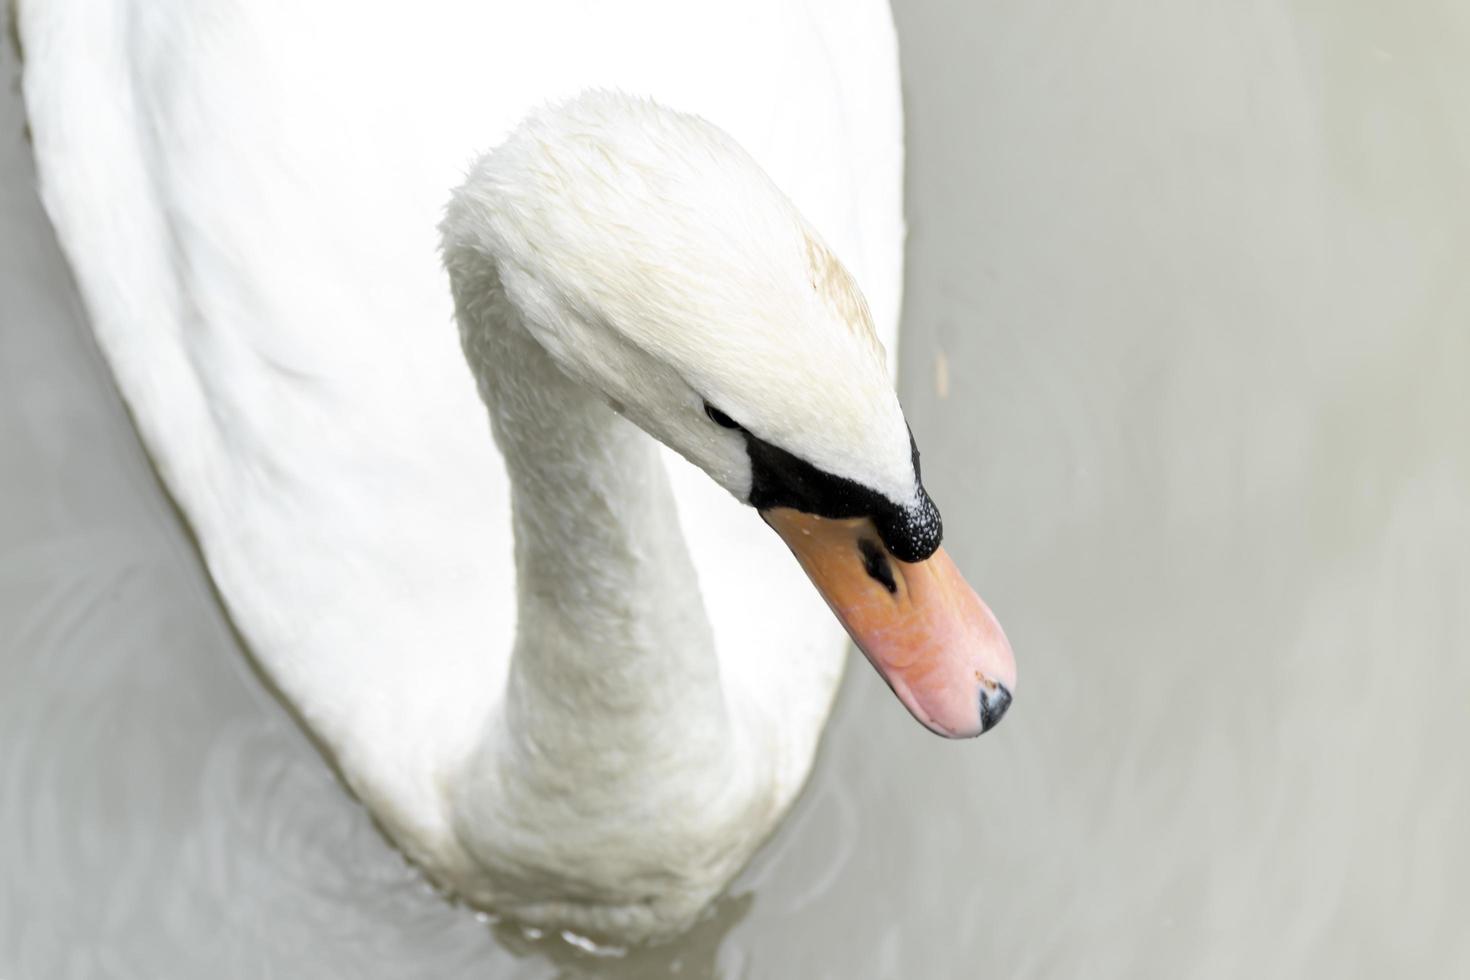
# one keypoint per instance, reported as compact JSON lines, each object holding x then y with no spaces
{"x":613,"y":654}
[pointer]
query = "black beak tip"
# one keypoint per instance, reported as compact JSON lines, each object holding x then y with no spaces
{"x":993,"y":705}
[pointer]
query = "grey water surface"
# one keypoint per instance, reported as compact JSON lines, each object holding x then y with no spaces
{"x":1186,"y":345}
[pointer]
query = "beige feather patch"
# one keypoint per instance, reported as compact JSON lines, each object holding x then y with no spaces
{"x":835,"y":286}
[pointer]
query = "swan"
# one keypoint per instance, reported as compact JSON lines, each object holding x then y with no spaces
{"x":561,"y":662}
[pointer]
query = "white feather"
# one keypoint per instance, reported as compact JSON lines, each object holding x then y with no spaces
{"x":248,"y":194}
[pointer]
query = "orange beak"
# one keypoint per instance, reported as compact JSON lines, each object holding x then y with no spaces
{"x":921,"y":625}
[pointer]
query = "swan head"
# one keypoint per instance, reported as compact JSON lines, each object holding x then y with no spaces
{"x":658,"y":264}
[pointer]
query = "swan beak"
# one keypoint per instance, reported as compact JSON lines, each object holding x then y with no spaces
{"x":928,"y":634}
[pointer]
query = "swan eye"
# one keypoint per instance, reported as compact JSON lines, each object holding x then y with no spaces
{"x":720,"y":418}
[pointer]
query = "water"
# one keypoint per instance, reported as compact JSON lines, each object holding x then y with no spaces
{"x":1186,"y":339}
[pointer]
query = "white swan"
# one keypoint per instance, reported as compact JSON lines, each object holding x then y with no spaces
{"x":600,"y":741}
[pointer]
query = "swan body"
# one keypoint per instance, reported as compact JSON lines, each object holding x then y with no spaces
{"x":570,"y":674}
